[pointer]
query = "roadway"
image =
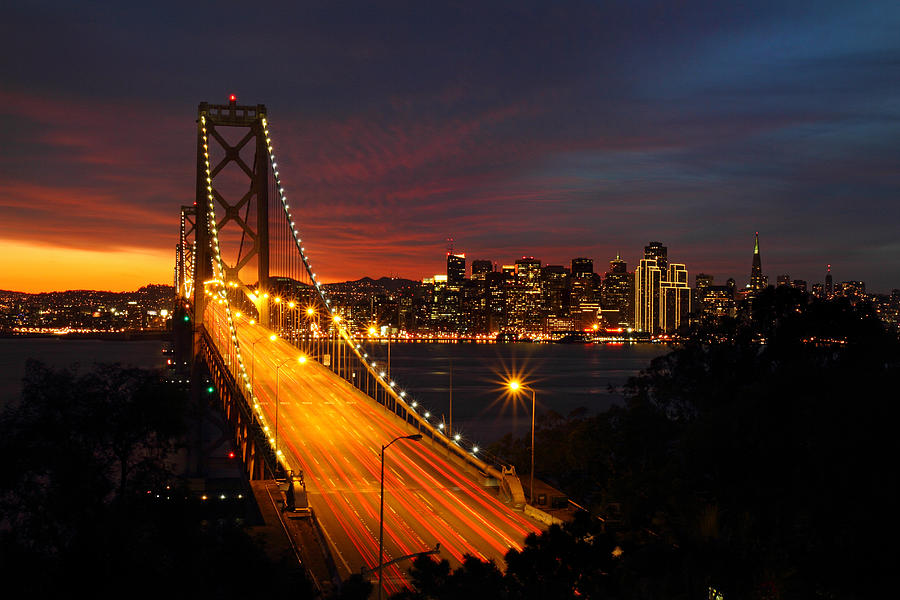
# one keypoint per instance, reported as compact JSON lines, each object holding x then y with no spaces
{"x":334,"y":433}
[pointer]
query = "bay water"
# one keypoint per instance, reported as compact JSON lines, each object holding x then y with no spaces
{"x":468,"y":380}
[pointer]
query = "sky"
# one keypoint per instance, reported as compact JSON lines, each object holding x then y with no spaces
{"x":549,"y":129}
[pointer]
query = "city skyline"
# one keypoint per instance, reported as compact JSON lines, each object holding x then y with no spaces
{"x":139,"y":280}
{"x":556,"y":131}
{"x":507,"y":301}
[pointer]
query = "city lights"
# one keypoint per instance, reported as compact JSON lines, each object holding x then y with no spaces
{"x":677,"y":222}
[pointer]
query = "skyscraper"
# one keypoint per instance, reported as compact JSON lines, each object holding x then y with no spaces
{"x":581,"y":283}
{"x":456,"y":269}
{"x":703,"y":281}
{"x":555,"y":278}
{"x":525,"y":299}
{"x":855,"y":290}
{"x":617,"y":265}
{"x":702,"y":284}
{"x":496,"y":287}
{"x":674,"y":299}
{"x":757,"y":281}
{"x":800,"y":284}
{"x":480,"y":268}
{"x":829,"y":284}
{"x":616,"y":300}
{"x":647,"y":279}
{"x":660,"y":254}
{"x":582,"y":267}
{"x":731,"y":284}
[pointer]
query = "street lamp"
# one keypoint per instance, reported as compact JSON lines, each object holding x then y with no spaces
{"x":290,"y":321}
{"x":373,"y":332}
{"x":514,"y":387}
{"x":336,"y":345}
{"x":280,"y":312}
{"x":301,"y":360}
{"x":414,"y":437}
{"x":310,"y":314}
{"x":272,"y":338}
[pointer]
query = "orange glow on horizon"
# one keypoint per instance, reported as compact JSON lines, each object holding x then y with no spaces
{"x":33,"y":268}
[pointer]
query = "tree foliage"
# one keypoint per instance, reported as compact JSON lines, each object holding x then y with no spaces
{"x":754,"y":458}
{"x":80,"y":452}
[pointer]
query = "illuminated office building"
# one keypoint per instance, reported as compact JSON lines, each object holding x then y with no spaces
{"x":480,"y":268}
{"x":582,"y":268}
{"x":618,"y":294}
{"x":703,"y":281}
{"x":456,"y":269}
{"x":674,"y":299}
{"x":660,"y":254}
{"x":647,"y":279}
{"x":758,"y":281}
{"x":718,"y":301}
{"x":855,"y":290}
{"x":496,"y":288}
{"x":524,"y":295}
{"x":555,"y":290}
{"x":581,"y":284}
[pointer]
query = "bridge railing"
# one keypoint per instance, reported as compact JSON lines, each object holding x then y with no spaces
{"x":396,"y":402}
{"x":342,"y":349}
{"x":282,"y":266}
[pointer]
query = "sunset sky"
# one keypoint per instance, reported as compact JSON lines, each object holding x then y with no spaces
{"x":548,"y":129}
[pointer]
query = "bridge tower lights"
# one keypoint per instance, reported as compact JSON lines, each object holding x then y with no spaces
{"x":251,"y":226}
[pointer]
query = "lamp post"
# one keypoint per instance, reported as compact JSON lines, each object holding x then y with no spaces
{"x":272,"y":338}
{"x":373,"y":335}
{"x":335,"y":347}
{"x":278,"y":322}
{"x":301,"y":359}
{"x":291,"y":321}
{"x":310,"y":314}
{"x":515,"y":386}
{"x":414,"y":437}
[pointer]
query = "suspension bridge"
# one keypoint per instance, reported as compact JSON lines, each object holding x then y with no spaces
{"x":306,"y":401}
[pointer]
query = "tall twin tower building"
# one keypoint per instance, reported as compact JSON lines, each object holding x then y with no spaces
{"x":662,"y":297}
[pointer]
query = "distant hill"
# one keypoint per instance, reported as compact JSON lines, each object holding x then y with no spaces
{"x":153,"y":288}
{"x":389,"y":284}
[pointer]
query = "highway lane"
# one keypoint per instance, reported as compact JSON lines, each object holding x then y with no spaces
{"x":334,"y":433}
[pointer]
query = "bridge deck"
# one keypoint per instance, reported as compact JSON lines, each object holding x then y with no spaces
{"x":334,"y":433}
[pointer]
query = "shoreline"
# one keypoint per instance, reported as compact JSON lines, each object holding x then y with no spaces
{"x":120,"y":336}
{"x":139,"y":335}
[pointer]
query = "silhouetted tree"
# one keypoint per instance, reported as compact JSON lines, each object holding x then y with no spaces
{"x":755,"y":457}
{"x":355,"y":587}
{"x":80,"y":452}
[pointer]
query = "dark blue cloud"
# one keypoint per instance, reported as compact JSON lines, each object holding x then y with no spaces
{"x":549,"y":128}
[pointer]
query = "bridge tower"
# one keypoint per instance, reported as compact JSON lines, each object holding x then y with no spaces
{"x":185,"y":254}
{"x":236,"y":192}
{"x":185,"y":260}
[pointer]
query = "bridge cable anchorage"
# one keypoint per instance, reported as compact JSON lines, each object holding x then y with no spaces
{"x":450,"y":439}
{"x":219,"y":280}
